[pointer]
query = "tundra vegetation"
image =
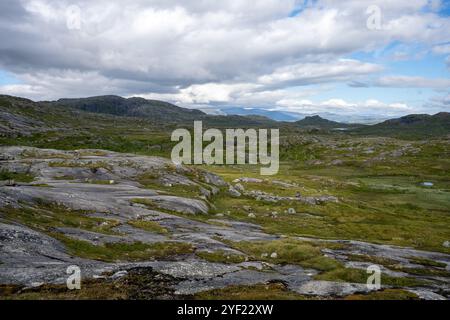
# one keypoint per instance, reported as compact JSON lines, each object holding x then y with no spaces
{"x":94,"y":190}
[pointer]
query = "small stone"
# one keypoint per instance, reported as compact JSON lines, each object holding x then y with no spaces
{"x":337,"y":162}
{"x":446,"y":244}
{"x":264,"y":255}
{"x":214,"y":190}
{"x":111,"y":182}
{"x":219,"y":215}
{"x":119,"y":274}
{"x":233,"y":192}
{"x":205,"y":193}
{"x":274,"y":255}
{"x":291,"y":211}
{"x":251,"y":215}
{"x":36,"y":284}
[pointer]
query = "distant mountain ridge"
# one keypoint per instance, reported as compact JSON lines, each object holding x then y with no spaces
{"x":321,"y":123}
{"x":131,"y":107}
{"x":19,"y":116}
{"x":274,"y":115}
{"x":290,"y":116}
{"x":413,"y":125}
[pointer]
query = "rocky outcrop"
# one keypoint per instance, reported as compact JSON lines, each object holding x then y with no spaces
{"x":179,"y":204}
{"x":81,"y":180}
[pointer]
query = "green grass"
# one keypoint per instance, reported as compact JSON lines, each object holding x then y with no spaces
{"x":16,"y":176}
{"x":360,"y":276}
{"x":101,"y":181}
{"x":309,"y":255}
{"x":150,"y":204}
{"x":386,"y":294}
{"x":428,"y":271}
{"x":376,"y":205}
{"x":380,"y":196}
{"x":427,"y":262}
{"x":151,"y":226}
{"x":220,"y":256}
{"x":92,"y":289}
{"x":303,"y":253}
{"x":137,"y":284}
{"x":46,"y":216}
{"x":372,"y":259}
{"x":112,"y":252}
{"x":271,"y":291}
{"x":35,"y":154}
{"x":89,"y":164}
{"x":66,"y":177}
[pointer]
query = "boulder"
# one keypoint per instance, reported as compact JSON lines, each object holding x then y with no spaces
{"x":179,"y":204}
{"x":239,"y":187}
{"x":233,"y":192}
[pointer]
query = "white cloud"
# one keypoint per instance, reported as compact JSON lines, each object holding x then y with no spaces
{"x":442,"y":49}
{"x":343,"y":107}
{"x":317,"y":72}
{"x":208,"y":52}
{"x":413,"y":82}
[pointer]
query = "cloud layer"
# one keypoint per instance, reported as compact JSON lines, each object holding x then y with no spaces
{"x":270,"y":53}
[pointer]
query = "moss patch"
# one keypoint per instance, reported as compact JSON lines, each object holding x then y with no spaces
{"x":137,"y":251}
{"x":45,"y":216}
{"x":151,"y":226}
{"x":360,"y":276}
{"x":427,"y":262}
{"x":304,"y":253}
{"x":20,"y":177}
{"x":387,"y":294}
{"x":271,"y":291}
{"x":221,"y":256}
{"x":139,"y":283}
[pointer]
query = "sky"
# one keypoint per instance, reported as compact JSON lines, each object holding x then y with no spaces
{"x":377,"y":58}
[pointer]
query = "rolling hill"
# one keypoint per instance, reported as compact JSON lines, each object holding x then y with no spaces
{"x":411,"y":126}
{"x":132,"y":107}
{"x":321,"y":123}
{"x":22,"y":117}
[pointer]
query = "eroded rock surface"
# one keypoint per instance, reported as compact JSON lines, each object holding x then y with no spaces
{"x":108,"y":185}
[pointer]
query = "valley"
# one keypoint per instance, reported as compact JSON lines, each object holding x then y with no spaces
{"x":96,"y":190}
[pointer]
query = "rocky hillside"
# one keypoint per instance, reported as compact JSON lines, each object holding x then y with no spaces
{"x":132,"y":107}
{"x":321,"y":123}
{"x":412,"y":126}
{"x":139,"y":227}
{"x":23,"y":117}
